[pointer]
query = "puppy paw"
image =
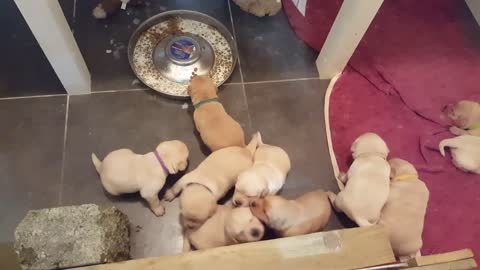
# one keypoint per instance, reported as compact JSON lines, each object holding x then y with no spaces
{"x":159,"y":211}
{"x":169,"y":196}
{"x":457,"y":131}
{"x":331,"y":196}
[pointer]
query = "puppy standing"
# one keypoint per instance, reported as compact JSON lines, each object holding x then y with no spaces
{"x":367,"y":181}
{"x":123,"y":171}
{"x":217,"y":129}
{"x":465,"y":116}
{"x":307,"y":214}
{"x":266,"y":177}
{"x":209,"y":182}
{"x":226,"y":227}
{"x":404,"y":213}
{"x":465,"y":152}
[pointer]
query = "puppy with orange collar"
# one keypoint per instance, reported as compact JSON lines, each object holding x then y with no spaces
{"x":307,"y":214}
{"x":465,"y":116}
{"x":216,"y":127}
{"x":404,"y":213}
{"x":226,"y":227}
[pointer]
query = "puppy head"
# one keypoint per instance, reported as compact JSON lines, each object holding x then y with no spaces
{"x":401,"y":167}
{"x":461,"y":113}
{"x":202,"y":87}
{"x":197,"y":204}
{"x":242,"y":226}
{"x":270,"y":210}
{"x":249,"y":186}
{"x":369,"y":143}
{"x":174,"y":154}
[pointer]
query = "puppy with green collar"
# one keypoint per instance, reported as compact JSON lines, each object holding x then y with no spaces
{"x":465,"y":116}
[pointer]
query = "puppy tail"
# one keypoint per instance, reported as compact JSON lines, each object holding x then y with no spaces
{"x":96,"y":162}
{"x":446,"y":143}
{"x":254,"y":143}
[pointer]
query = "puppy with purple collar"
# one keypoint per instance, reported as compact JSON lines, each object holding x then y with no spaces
{"x":122,"y":171}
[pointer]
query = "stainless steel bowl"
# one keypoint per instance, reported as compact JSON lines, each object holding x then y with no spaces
{"x":171,"y":53}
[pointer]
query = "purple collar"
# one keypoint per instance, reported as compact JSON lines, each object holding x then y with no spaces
{"x":157,"y":155}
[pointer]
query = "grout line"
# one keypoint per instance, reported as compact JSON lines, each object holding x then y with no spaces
{"x":285,"y":80}
{"x":37,"y":96}
{"x":119,"y":90}
{"x":62,"y":173}
{"x":240,"y":66}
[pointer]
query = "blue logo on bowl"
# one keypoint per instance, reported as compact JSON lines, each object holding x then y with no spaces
{"x":182,"y":49}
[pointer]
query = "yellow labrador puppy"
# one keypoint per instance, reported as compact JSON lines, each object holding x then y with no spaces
{"x":465,"y":152}
{"x":123,"y":171}
{"x":366,"y":182}
{"x":217,"y":129}
{"x":226,"y":227}
{"x":209,"y":182}
{"x":271,"y":165}
{"x":465,"y":116}
{"x":404,"y":213}
{"x":307,"y":214}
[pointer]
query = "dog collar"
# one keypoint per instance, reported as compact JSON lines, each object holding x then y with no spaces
{"x":157,"y":155}
{"x":474,"y":126}
{"x":405,"y":177}
{"x":205,"y":101}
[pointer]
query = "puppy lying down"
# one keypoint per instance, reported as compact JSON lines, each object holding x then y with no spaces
{"x":216,"y":127}
{"x":271,"y":165}
{"x":123,"y":171}
{"x":465,"y":152}
{"x":404,"y":213}
{"x":226,"y":227}
{"x":465,"y":116}
{"x":367,"y":181}
{"x":307,"y":214}
{"x":209,"y":182}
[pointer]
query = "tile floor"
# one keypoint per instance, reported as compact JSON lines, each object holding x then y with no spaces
{"x":46,"y":141}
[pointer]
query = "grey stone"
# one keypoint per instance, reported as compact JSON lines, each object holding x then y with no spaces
{"x":72,"y":236}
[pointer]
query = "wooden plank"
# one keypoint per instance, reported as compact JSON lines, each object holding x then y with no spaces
{"x":441,"y":258}
{"x":474,"y":6}
{"x":465,"y":264}
{"x":341,"y":249}
{"x":350,"y":25}
{"x":49,"y":26}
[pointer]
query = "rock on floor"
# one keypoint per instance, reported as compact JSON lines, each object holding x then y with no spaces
{"x":72,"y":236}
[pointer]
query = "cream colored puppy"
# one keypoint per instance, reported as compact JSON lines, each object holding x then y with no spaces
{"x":226,"y":227}
{"x":216,"y":127}
{"x":123,"y":171}
{"x":465,"y":116}
{"x":465,"y":152}
{"x":367,"y":181}
{"x":404,"y":213}
{"x":209,"y":182}
{"x":307,"y":214}
{"x":271,"y":165}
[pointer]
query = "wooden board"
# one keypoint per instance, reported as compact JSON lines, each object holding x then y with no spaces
{"x":465,"y":264}
{"x":441,"y":258}
{"x":341,"y":249}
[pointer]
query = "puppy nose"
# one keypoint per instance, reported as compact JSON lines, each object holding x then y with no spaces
{"x":446,"y":107}
{"x":255,"y":233}
{"x":237,"y":202}
{"x":253,"y":204}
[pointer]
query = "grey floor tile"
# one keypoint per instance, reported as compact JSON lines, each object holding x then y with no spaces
{"x":30,"y":157}
{"x":290,"y":115}
{"x":138,"y":120}
{"x":24,"y":69}
{"x":269,"y":49}
{"x":111,"y":71}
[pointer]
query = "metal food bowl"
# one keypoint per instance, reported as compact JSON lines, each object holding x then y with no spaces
{"x":168,"y":49}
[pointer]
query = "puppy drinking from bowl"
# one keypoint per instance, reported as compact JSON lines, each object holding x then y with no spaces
{"x":226,"y":227}
{"x":465,"y":116}
{"x":367,"y":181}
{"x":404,"y":213}
{"x":123,"y":171}
{"x":209,"y":182}
{"x":307,"y":214}
{"x":465,"y":152}
{"x":216,"y":127}
{"x":271,"y":165}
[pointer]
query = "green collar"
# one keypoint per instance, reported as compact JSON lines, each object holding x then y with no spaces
{"x":474,"y":126}
{"x":200,"y":103}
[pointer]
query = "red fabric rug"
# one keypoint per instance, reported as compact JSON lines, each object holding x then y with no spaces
{"x":416,"y":57}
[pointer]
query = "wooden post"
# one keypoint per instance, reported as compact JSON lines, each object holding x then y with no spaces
{"x":350,"y":25}
{"x":49,"y":26}
{"x":474,"y":6}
